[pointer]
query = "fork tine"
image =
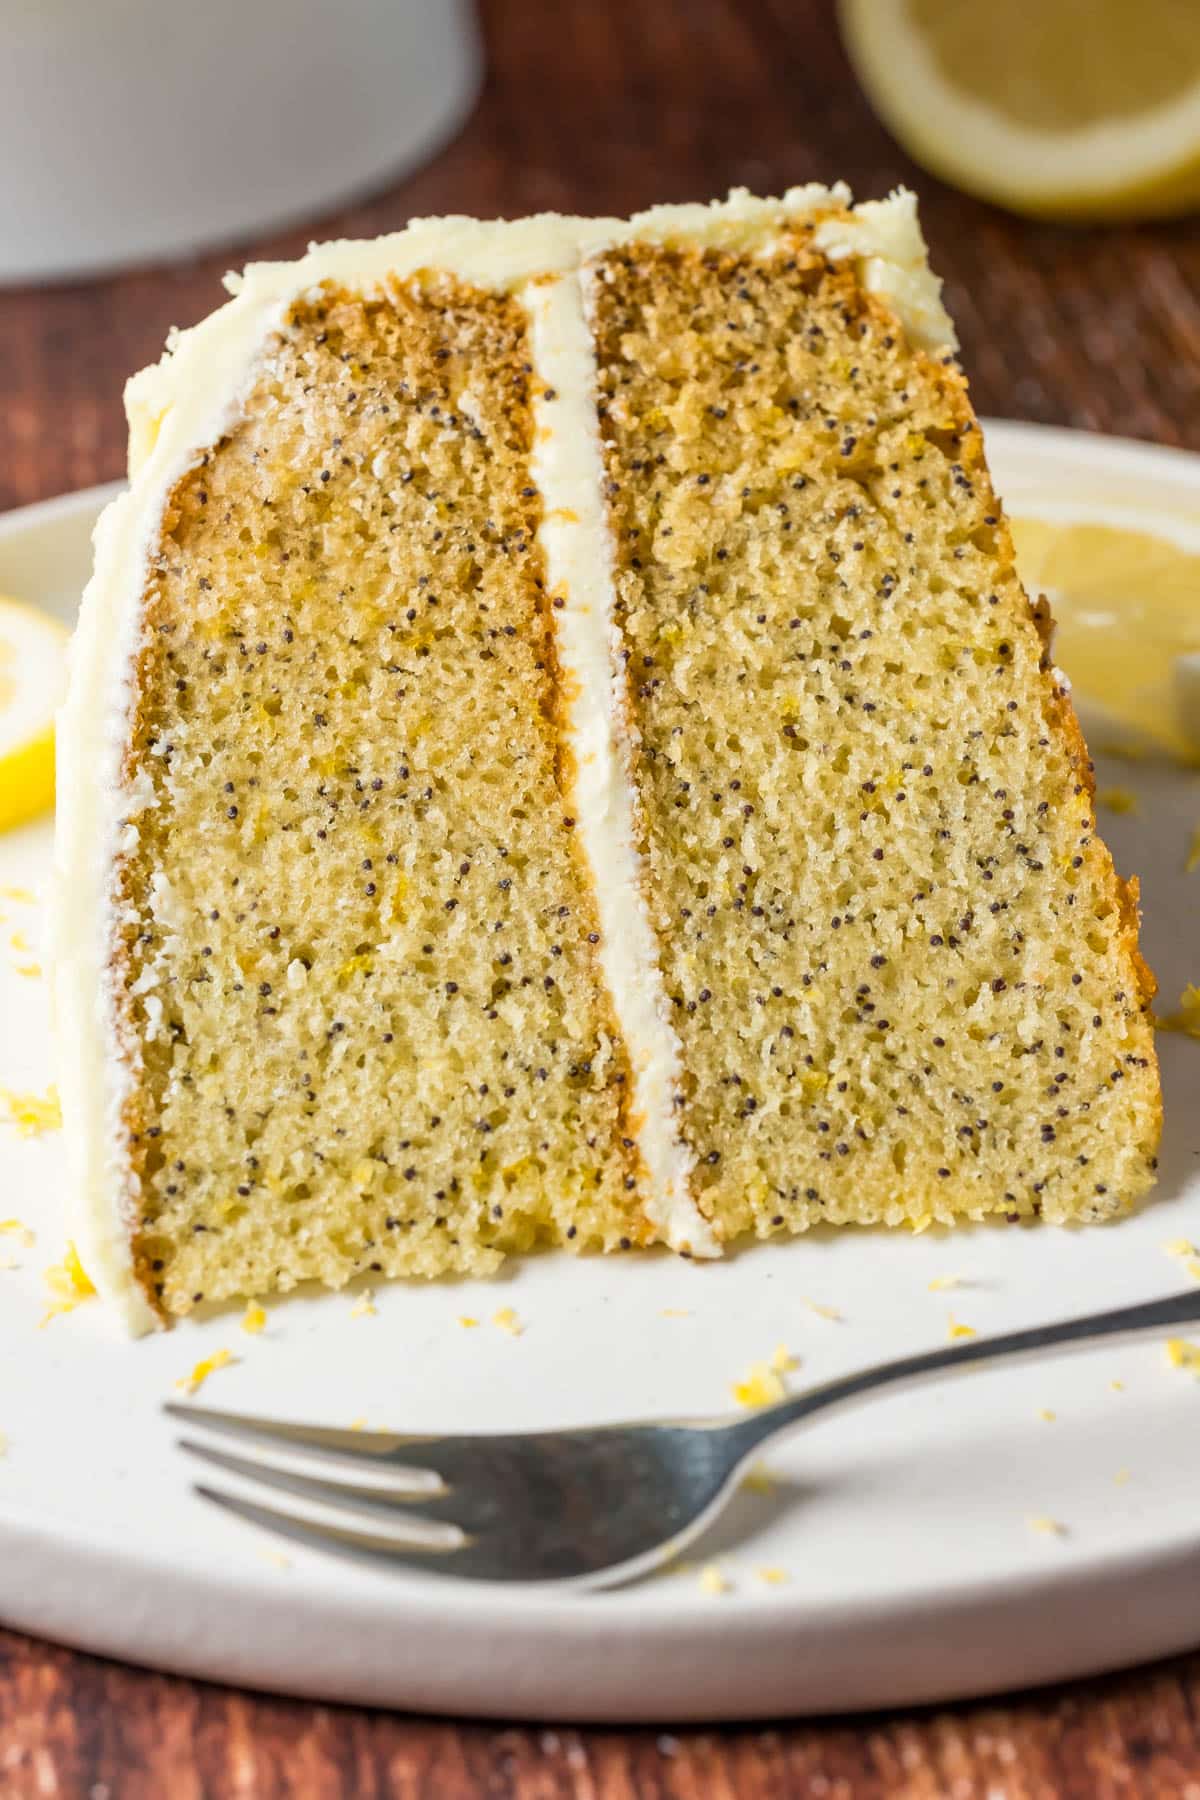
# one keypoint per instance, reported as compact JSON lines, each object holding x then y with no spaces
{"x":364,"y":1546}
{"x":385,"y":1503}
{"x":321,"y":1440}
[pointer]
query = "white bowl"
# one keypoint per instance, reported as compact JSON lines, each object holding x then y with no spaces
{"x":133,"y":130}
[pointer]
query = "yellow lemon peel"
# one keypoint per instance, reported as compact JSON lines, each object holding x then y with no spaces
{"x":208,"y":1365}
{"x":32,"y":1113}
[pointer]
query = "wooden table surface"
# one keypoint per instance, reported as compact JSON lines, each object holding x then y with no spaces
{"x":606,"y":107}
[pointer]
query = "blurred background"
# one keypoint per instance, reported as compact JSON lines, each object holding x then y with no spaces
{"x":608,"y":107}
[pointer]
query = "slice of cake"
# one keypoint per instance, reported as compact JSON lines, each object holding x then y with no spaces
{"x":558,"y":752}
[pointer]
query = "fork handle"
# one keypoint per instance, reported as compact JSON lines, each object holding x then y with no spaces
{"x":911,"y":1371}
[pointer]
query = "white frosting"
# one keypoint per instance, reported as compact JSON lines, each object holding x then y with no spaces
{"x":180,"y":408}
{"x":569,"y":471}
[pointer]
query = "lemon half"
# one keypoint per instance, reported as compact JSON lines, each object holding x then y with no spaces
{"x":1070,"y":109}
{"x":32,"y":678}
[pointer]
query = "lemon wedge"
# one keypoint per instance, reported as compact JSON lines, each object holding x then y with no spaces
{"x":32,"y":676}
{"x":1071,"y":109}
{"x":1126,"y":603}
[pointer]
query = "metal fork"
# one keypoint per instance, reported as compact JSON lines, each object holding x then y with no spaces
{"x":577,"y":1508}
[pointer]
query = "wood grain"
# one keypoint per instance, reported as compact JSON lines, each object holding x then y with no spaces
{"x":605,"y":106}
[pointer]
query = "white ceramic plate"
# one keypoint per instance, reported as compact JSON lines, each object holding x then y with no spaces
{"x":913,"y":1571}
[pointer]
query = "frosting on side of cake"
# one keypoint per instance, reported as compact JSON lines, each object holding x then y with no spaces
{"x":574,"y":536}
{"x":182,"y":406}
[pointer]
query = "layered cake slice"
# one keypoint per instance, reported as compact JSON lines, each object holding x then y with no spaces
{"x":558,"y":752}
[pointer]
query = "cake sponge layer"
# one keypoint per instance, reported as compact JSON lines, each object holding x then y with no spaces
{"x":358,"y":945}
{"x":900,"y":964}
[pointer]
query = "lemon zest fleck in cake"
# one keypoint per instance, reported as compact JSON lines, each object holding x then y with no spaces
{"x":1046,"y":1526}
{"x":1183,"y":1354}
{"x":33,"y":1113}
{"x":761,"y":1387}
{"x":467,"y":1322}
{"x":920,"y":1224}
{"x":1118,"y":800}
{"x":68,"y":1284}
{"x":1048,"y":1415}
{"x":758,"y":1479}
{"x":773,"y":1577}
{"x":823,"y":1312}
{"x":942,"y":1283}
{"x":254,"y":1318}
{"x":508,"y":1321}
{"x":364,"y":1306}
{"x":1192,"y":861}
{"x":712,"y":1580}
{"x":208,"y":1365}
{"x":782,"y":1360}
{"x":17,"y":1228}
{"x":956,"y":1329}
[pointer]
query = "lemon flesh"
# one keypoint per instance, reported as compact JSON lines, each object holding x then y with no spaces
{"x":1070,"y":109}
{"x":1126,"y":603}
{"x":32,"y":678}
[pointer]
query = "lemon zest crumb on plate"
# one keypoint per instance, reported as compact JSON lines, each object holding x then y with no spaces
{"x":24,"y":895}
{"x":32,"y":970}
{"x":763,"y":1386}
{"x":823,"y":1312}
{"x":942,"y":1283}
{"x":1183,"y":1354}
{"x":18,"y":1229}
{"x":364,"y":1306}
{"x":675,"y":1312}
{"x":1046,"y":1526}
{"x":772,"y":1577}
{"x":758,"y":1479}
{"x":1121,"y":1477}
{"x":358,"y":1424}
{"x":1048,"y":1415}
{"x":254,"y":1318}
{"x":1118,"y":1387}
{"x":782,"y":1360}
{"x":508,"y":1321}
{"x":956,"y":1329}
{"x":208,"y":1365}
{"x":467,"y":1322}
{"x":1180,"y":1246}
{"x":33,"y":1113}
{"x":68,"y":1283}
{"x":712,"y":1580}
